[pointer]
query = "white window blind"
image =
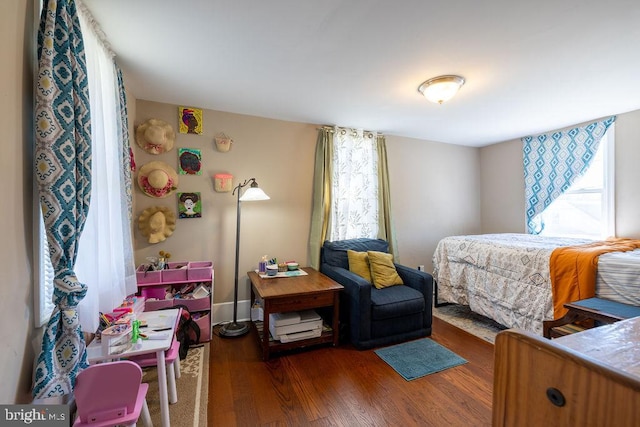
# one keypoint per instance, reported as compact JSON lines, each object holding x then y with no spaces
{"x":44,"y":275}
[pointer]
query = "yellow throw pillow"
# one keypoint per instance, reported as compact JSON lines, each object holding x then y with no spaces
{"x":383,"y":272}
{"x":359,"y":264}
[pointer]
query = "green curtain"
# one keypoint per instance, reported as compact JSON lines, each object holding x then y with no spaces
{"x":321,"y":209}
{"x":320,"y":213}
{"x":385,"y":223}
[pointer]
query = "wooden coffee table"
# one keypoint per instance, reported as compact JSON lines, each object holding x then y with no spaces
{"x":297,"y":293}
{"x":589,"y":309}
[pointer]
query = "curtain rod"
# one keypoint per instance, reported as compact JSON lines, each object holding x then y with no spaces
{"x":95,"y":26}
{"x":332,"y":130}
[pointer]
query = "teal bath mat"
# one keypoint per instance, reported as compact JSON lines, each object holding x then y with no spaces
{"x":415,"y":359}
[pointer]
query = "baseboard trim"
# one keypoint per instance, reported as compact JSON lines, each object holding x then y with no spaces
{"x":223,"y":312}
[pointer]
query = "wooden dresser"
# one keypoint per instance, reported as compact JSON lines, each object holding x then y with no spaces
{"x":590,"y":378}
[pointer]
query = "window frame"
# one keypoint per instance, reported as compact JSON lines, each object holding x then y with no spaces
{"x":607,"y":223}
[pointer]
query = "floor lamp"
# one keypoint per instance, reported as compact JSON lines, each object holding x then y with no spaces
{"x":253,"y":193}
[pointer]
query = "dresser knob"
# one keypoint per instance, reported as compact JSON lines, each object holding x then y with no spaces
{"x":555,"y":396}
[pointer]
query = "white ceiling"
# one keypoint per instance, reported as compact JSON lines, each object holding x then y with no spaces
{"x":530,"y":66}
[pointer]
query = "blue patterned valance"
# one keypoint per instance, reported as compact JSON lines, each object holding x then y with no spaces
{"x":554,"y":161}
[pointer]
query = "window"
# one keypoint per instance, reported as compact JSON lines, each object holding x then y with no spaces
{"x":586,"y":210}
{"x":354,"y":210}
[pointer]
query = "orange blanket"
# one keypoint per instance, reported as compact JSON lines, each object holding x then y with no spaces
{"x":573,"y":270}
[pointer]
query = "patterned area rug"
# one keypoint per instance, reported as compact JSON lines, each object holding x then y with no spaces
{"x":192,"y":387}
{"x":462,"y":317}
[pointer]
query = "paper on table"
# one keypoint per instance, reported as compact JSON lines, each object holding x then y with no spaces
{"x":158,"y":335}
{"x":292,"y":273}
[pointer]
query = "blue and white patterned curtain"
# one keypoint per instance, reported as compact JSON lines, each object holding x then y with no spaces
{"x":123,"y":138}
{"x":554,"y":161}
{"x":63,"y":177}
{"x":127,"y":166}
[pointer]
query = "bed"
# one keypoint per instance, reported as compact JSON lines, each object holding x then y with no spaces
{"x":505,"y":277}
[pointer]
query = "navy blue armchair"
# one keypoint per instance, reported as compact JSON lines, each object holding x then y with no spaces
{"x":378,"y":317}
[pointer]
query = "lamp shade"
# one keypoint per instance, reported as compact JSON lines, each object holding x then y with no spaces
{"x":254,"y":193}
{"x":442,"y":88}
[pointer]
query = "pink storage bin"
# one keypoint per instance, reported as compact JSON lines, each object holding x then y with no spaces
{"x":200,"y":270}
{"x":148,"y":276}
{"x":158,"y":304}
{"x":157,"y":292}
{"x":175,"y":274}
{"x":195,"y":304}
{"x":204,"y":322}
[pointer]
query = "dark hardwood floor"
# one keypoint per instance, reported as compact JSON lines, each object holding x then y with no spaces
{"x":326,"y":386}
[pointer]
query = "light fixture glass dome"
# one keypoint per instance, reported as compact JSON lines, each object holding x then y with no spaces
{"x":442,"y":88}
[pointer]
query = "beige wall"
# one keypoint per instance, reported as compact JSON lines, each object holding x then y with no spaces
{"x":278,"y":154}
{"x":16,"y":286}
{"x":435,"y":192}
{"x":502,"y":192}
{"x":628,"y":174}
{"x":502,"y":188}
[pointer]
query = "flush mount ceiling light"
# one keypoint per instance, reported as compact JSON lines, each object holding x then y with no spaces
{"x":442,"y":88}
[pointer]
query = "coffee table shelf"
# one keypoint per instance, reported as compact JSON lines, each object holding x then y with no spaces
{"x":275,"y":345}
{"x":314,"y":290}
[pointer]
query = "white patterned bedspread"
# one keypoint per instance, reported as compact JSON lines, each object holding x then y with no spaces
{"x":502,"y":276}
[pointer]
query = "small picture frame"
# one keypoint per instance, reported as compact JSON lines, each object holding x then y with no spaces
{"x":189,"y":205}
{"x":190,"y":120}
{"x":189,"y":161}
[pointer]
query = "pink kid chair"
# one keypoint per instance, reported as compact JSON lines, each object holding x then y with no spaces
{"x":110,"y":394}
{"x":172,"y":361}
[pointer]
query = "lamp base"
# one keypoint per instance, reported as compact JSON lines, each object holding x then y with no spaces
{"x":234,"y":329}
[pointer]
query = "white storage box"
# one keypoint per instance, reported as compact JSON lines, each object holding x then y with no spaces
{"x":301,"y":335}
{"x":294,"y":322}
{"x":116,"y":339}
{"x":284,"y":319}
{"x":257,"y":314}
